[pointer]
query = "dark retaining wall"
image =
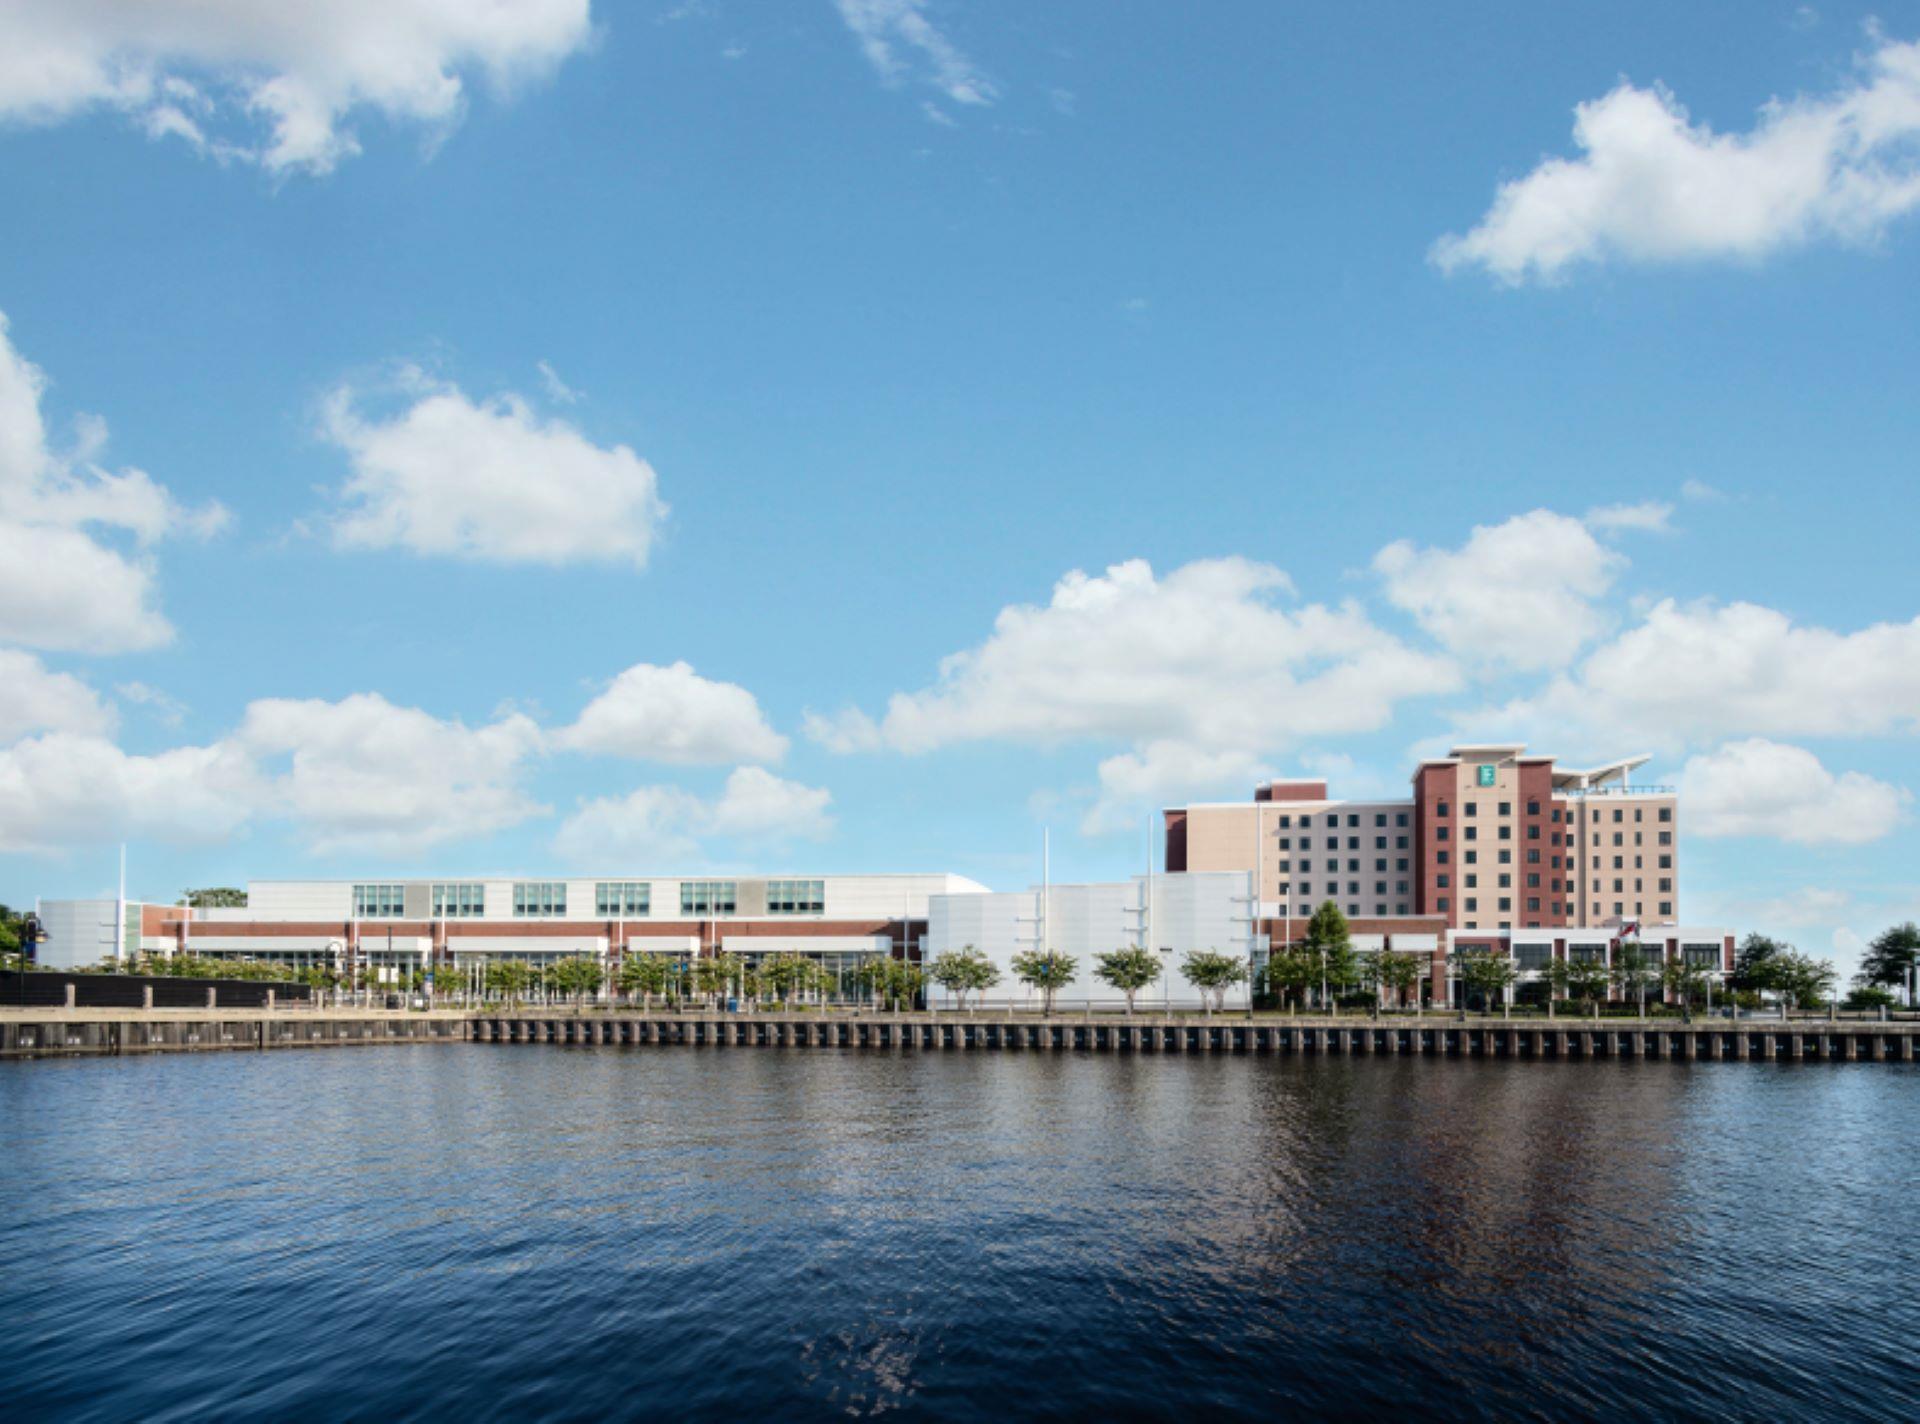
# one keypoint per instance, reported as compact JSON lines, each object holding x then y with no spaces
{"x":128,"y":991}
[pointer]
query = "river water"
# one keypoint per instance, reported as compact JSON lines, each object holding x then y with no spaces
{"x":525,"y":1232}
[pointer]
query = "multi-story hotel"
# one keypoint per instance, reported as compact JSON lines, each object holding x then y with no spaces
{"x":1492,"y":838}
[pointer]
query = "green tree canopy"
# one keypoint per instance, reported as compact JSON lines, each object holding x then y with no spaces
{"x":1750,"y":961}
{"x":1049,"y":971}
{"x":964,"y":971}
{"x":1397,"y":970}
{"x":1486,"y":973}
{"x":645,"y":975}
{"x":575,"y":977}
{"x":1129,"y":969}
{"x":1213,"y":973}
{"x":219,"y":897}
{"x":1890,"y":955}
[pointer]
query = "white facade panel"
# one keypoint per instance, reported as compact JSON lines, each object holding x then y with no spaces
{"x":81,"y":933}
{"x":547,"y":946}
{"x":1193,"y":911}
{"x":806,"y":944}
{"x":300,"y":899}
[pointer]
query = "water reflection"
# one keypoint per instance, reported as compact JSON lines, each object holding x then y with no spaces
{"x":551,"y":1232}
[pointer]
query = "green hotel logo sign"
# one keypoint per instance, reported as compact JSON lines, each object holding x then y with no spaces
{"x":1486,"y":776}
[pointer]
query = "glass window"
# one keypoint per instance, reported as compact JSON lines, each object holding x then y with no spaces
{"x":709,"y":897}
{"x":539,"y":899}
{"x":622,"y":899}
{"x":798,"y":897}
{"x":459,"y":900}
{"x":379,"y":902}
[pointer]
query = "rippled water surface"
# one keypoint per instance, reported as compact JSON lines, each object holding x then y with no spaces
{"x":588,"y":1233}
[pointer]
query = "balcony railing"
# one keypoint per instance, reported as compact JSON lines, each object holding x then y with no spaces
{"x":1615,"y":791}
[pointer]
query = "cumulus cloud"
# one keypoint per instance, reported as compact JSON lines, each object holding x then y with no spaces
{"x":1522,"y":594}
{"x":1163,"y":773}
{"x":70,"y":584}
{"x":901,"y":43}
{"x":1762,"y":788}
{"x":32,"y":699}
{"x":1699,"y":672}
{"x":70,"y":789}
{"x":273,"y":84}
{"x":1204,"y":656}
{"x":1652,"y":186}
{"x":663,"y":824}
{"x":672,"y":714}
{"x":362,"y":774}
{"x":488,"y":481}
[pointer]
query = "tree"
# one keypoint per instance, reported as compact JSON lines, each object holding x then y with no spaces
{"x":1799,"y":979}
{"x":1588,"y":981}
{"x":1049,"y":971}
{"x":221,"y":897}
{"x":1866,"y":998}
{"x":1129,"y":970}
{"x":789,"y":976}
{"x":1686,"y":981}
{"x":709,"y":976}
{"x":1634,"y":970}
{"x":575,"y":977}
{"x":1395,"y":970}
{"x":1292,"y":971}
{"x":1486,"y":973}
{"x":1750,"y":970}
{"x":508,"y":979}
{"x":964,"y":971}
{"x":1213,"y":973}
{"x":1890,"y":957}
{"x":645,"y":975}
{"x":1329,"y":942}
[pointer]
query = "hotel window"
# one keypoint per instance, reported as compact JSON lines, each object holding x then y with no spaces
{"x":1533,"y":833}
{"x":1506,"y":808}
{"x":540,"y":899}
{"x":1379,"y":842}
{"x":1666,"y":862}
{"x":1353,"y":865}
{"x":1701,"y":956}
{"x":1505,"y":904}
{"x":1666,"y":907}
{"x":1306,"y":843}
{"x":1473,"y":808}
{"x":1354,"y":911}
{"x":1533,"y":808}
{"x":1445,"y":904}
{"x":1400,"y":818}
{"x":1472,"y":904}
{"x":1353,"y":843}
{"x":1399,"y":842}
{"x":1618,"y":815}
{"x":1533,"y":905}
{"x":1380,"y":818}
{"x":1440,"y":809}
{"x":1380,"y":887}
{"x":1506,"y":880}
{"x":1286,"y":843}
{"x":1533,"y":857}
{"x":1472,"y":857}
{"x":1353,"y":887}
{"x":1472,"y":880}
{"x":709,"y":897}
{"x":1637,"y":814}
{"x":1442,"y":858}
{"x":1506,"y":857}
{"x":1666,"y":886}
{"x":1352,"y":819}
{"x":1666,"y":838}
{"x":1305,"y":866}
{"x":459,"y":901}
{"x":1533,"y":881}
{"x":1400,"y":864}
{"x":1473,"y":833}
{"x":797,"y":897}
{"x":1286,"y":823}
{"x":620,"y":899}
{"x":1441,"y":881}
{"x":1440,"y":834}
{"x":1379,"y":865}
{"x":1666,"y":813}
{"x":1305,"y":822}
{"x":379,"y":902}
{"x":1506,"y":833}
{"x":1306,"y":890}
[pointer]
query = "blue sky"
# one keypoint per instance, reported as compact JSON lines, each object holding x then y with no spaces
{"x":1009,"y":415}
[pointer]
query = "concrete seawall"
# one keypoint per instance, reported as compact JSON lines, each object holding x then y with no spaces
{"x":36,"y":1034}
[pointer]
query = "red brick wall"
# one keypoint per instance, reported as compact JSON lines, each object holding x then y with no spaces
{"x":1432,"y":785}
{"x":1176,"y":858}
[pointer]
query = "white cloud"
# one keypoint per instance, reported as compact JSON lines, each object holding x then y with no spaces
{"x":490,"y":482}
{"x":1202,"y":656}
{"x":1691,"y":673}
{"x":66,"y":790}
{"x":1652,"y":186}
{"x":557,"y":389}
{"x":364,"y":775}
{"x":1700,"y":492}
{"x":1162,"y":773}
{"x":66,"y":587}
{"x":216,"y":73}
{"x":666,"y":824}
{"x":1522,"y":594}
{"x":672,"y":714}
{"x":167,"y":708}
{"x":32,"y":699}
{"x":1650,"y":516}
{"x":1762,"y":788}
{"x":900,"y":42}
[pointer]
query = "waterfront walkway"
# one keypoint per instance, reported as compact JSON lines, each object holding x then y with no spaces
{"x":37,"y":1033}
